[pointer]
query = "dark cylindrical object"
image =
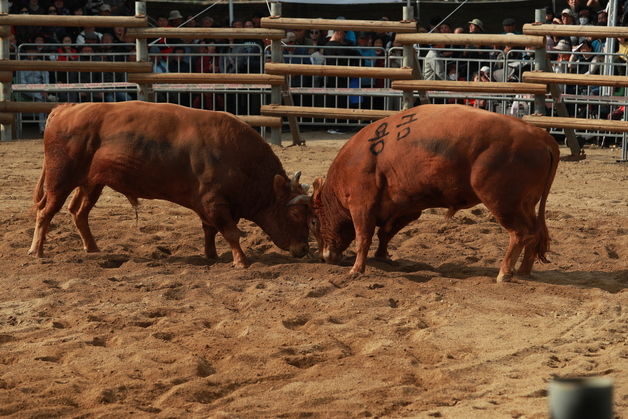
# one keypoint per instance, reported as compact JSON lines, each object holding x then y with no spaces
{"x":581,"y":398}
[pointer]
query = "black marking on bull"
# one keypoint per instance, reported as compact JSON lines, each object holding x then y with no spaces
{"x":377,"y":142}
{"x":408,"y":119}
{"x":438,"y":147}
{"x":143,"y":146}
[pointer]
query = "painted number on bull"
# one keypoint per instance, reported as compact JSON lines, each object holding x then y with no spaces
{"x":405,"y":128}
{"x":377,"y":142}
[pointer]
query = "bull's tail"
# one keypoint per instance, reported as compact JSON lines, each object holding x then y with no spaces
{"x":542,"y":246}
{"x":135,"y":204}
{"x":39,"y":197}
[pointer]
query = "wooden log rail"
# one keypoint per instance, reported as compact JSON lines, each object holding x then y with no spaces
{"x":470,"y":86}
{"x":340,"y":25}
{"x":204,"y":33}
{"x":80,"y":66}
{"x":7,"y":118}
{"x":576,"y":30}
{"x":338,"y":71}
{"x":578,"y":79}
{"x":471,"y":39}
{"x":577,"y":123}
{"x":206,"y":78}
{"x":73,"y":20}
{"x":338,"y":113}
{"x":8,"y":109}
{"x":6,"y":76}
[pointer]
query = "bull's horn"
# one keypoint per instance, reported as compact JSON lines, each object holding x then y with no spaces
{"x":306,"y":187}
{"x":294,"y":182}
{"x":299,"y":200}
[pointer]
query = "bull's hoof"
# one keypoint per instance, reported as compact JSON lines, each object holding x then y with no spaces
{"x":241,"y":264}
{"x":36,"y":253}
{"x":92,"y":249}
{"x":504,"y":277}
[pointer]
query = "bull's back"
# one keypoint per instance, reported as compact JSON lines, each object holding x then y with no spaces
{"x":440,"y":154}
{"x":146,"y":150}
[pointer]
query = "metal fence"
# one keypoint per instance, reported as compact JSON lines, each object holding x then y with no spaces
{"x":321,"y":91}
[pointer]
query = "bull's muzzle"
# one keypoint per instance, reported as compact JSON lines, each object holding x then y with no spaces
{"x":299,"y":250}
{"x":331,"y":257}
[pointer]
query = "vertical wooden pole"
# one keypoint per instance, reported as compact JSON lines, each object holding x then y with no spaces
{"x":144,"y":91}
{"x":408,"y":59}
{"x":5,"y":91}
{"x":276,"y":56}
{"x":540,"y":55}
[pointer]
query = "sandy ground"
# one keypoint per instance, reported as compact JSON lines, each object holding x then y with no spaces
{"x":148,"y":327}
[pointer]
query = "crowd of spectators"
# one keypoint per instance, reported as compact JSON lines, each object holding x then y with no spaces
{"x":440,"y":62}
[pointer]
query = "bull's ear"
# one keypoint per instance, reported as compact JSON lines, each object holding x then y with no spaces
{"x":281,"y":187}
{"x":316,"y":187}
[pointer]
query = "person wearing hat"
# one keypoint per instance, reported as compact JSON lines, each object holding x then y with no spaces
{"x":563,"y":47}
{"x":175,"y":18}
{"x":476,"y":26}
{"x":471,"y":53}
{"x":509,"y":26}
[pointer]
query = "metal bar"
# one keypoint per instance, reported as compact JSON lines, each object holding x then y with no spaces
{"x":540,"y":55}
{"x":276,"y":57}
{"x":6,"y":133}
{"x":408,"y":55}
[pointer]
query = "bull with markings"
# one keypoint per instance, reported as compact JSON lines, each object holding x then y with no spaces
{"x":437,"y":156}
{"x":209,"y":162}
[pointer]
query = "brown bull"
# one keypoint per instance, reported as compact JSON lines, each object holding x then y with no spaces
{"x":437,"y":156}
{"x":209,"y":162}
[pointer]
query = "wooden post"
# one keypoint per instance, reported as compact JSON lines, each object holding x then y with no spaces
{"x":5,"y":91}
{"x":539,"y":58}
{"x":276,"y":57}
{"x":144,"y":91}
{"x":408,"y":55}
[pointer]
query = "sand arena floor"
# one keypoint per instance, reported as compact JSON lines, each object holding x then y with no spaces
{"x":148,"y":327}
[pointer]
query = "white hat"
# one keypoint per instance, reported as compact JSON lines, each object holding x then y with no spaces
{"x":290,"y":37}
{"x":105,"y":8}
{"x":175,"y":14}
{"x":485,"y":69}
{"x":562,"y":45}
{"x":568,"y":11}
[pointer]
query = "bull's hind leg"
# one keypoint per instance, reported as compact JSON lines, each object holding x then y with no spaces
{"x":520,"y":226}
{"x":210,"y":241}
{"x":388,"y":231}
{"x":81,"y":204}
{"x":54,"y":202}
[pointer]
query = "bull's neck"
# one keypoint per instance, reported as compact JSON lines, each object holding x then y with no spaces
{"x":269,"y":220}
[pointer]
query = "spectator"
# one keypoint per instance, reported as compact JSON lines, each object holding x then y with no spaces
{"x":175,"y":18}
{"x":257,"y":19}
{"x":34,"y":8}
{"x":509,"y":26}
{"x":563,"y":47}
{"x":88,"y":34}
{"x":190,"y":22}
{"x":583,"y":61}
{"x":476,"y":58}
{"x":568,"y":17}
{"x":434,"y":65}
{"x":34,"y":77}
{"x":111,"y":55}
{"x":55,"y":33}
{"x":550,"y":16}
{"x":178,"y":63}
{"x":207,"y":62}
{"x":337,"y":53}
{"x":207,"y":22}
{"x":60,"y":8}
{"x":602,"y":18}
{"x":162,"y":22}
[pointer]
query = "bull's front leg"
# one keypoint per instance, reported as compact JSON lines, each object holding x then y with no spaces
{"x":219,"y":216}
{"x":210,"y":241}
{"x":364,"y":225}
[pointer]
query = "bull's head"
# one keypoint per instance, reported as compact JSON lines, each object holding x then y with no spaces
{"x":288,"y":229}
{"x":328,"y":223}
